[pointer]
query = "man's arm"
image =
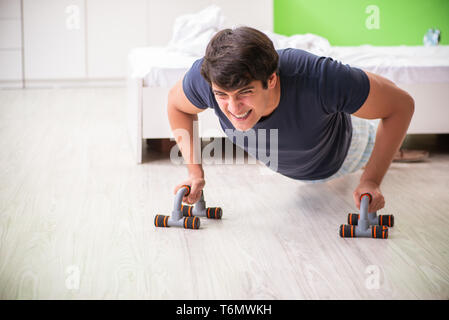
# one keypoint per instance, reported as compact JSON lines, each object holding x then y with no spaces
{"x":395,"y":108}
{"x":181,"y":114}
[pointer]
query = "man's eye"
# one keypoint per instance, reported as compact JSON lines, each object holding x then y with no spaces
{"x":246,"y":92}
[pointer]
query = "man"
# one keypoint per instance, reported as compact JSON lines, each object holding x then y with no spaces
{"x":315,"y":103}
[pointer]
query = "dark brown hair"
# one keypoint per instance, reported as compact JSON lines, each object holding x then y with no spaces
{"x":236,"y":57}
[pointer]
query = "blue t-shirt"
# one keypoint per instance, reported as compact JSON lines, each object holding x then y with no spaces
{"x":318,"y":94}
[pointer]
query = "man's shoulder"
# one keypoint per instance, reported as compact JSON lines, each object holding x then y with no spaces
{"x":196,"y":88}
{"x":295,"y":62}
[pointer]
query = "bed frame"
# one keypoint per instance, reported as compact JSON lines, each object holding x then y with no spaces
{"x":147,"y":116}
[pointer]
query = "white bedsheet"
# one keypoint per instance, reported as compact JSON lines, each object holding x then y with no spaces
{"x":160,"y":67}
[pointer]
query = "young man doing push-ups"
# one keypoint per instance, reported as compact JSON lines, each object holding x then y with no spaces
{"x":324,"y":111}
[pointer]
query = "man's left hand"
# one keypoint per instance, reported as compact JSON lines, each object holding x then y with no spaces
{"x":378,"y":201}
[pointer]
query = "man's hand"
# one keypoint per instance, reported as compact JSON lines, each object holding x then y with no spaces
{"x":372,"y":188}
{"x":197,"y":184}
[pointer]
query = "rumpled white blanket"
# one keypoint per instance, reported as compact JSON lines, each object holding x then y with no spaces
{"x":309,"y":42}
{"x":192,"y":33}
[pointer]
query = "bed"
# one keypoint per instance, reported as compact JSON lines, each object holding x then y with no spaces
{"x":152,"y":71}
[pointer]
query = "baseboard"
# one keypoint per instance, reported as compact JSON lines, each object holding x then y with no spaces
{"x":11,"y":84}
{"x":76,"y":83}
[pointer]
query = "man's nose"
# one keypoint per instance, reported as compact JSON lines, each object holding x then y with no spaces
{"x":234,"y":105}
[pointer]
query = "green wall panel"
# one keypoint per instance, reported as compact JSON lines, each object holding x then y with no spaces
{"x":344,"y":22}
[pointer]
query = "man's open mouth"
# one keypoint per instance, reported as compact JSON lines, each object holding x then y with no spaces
{"x":242,"y":116}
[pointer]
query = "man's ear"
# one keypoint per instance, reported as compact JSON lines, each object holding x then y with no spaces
{"x":272,"y":80}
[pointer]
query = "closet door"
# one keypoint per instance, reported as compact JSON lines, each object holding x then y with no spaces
{"x":54,"y":39}
{"x":10,"y":44}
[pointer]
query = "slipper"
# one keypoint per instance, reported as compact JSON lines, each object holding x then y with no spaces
{"x":404,"y":155}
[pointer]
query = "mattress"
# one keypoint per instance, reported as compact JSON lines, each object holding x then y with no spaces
{"x":159,"y":67}
{"x":400,"y":64}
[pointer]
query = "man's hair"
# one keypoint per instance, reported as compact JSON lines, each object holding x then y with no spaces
{"x":236,"y":57}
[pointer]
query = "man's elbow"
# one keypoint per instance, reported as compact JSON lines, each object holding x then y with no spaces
{"x":171,"y":96}
{"x":172,"y":101}
{"x":410,"y":105}
{"x":405,"y":105}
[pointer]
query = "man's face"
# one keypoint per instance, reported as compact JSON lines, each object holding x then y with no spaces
{"x":243,"y":107}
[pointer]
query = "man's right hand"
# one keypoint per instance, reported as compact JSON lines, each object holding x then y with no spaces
{"x":196,"y":184}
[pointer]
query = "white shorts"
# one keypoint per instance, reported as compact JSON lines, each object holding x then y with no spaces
{"x":362,"y":144}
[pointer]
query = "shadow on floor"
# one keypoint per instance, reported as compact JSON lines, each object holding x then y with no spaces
{"x":434,"y":143}
{"x":159,"y":149}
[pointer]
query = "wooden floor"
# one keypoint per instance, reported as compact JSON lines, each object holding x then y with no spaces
{"x":76,"y":218}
